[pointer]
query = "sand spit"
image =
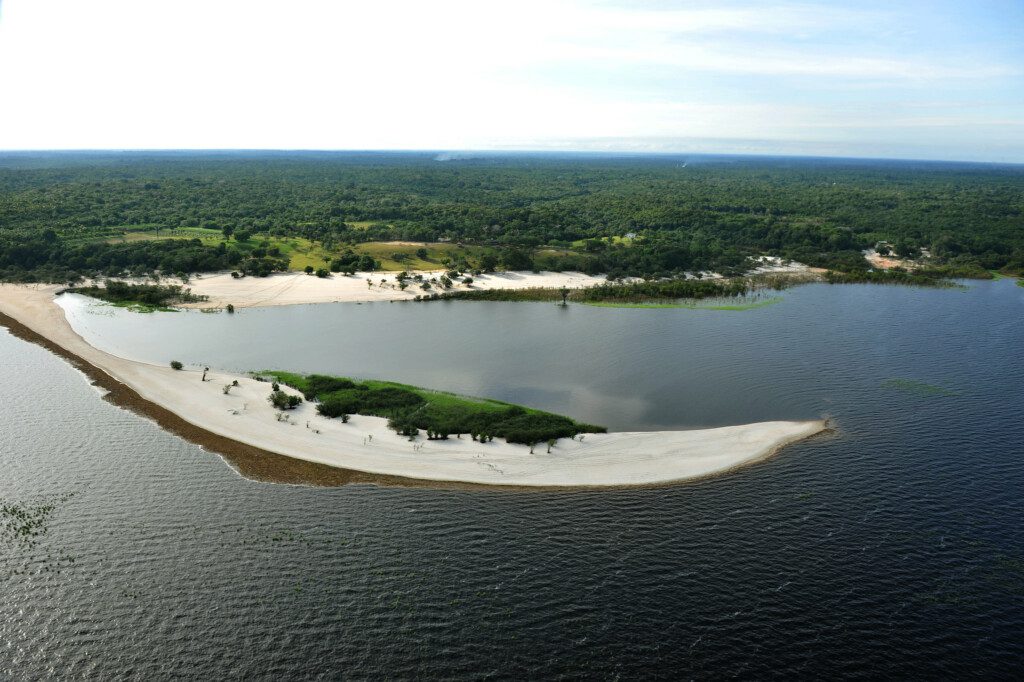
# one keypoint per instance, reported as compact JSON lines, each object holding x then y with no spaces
{"x":242,"y":421}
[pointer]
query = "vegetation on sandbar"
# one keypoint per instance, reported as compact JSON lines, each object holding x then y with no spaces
{"x":410,"y":409}
{"x":652,"y":292}
{"x":922,"y":278}
{"x":140,"y":296}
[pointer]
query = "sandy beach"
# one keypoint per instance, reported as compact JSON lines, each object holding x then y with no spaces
{"x":292,"y":288}
{"x":364,"y":444}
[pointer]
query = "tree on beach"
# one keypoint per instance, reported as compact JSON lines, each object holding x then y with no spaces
{"x":176,"y":365}
{"x":284,"y":401}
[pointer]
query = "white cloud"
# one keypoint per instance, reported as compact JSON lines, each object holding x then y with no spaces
{"x":443,"y":74}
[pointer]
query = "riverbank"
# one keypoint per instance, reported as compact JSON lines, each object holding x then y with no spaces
{"x":243,"y":422}
{"x":294,"y":288}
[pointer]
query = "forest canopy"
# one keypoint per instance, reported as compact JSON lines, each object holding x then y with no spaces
{"x":623,"y":215}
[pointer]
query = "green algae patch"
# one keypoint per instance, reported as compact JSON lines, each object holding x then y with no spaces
{"x":689,"y":305}
{"x":136,"y":307}
{"x":919,"y":388}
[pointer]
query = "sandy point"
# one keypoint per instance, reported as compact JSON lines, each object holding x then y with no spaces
{"x":241,"y":414}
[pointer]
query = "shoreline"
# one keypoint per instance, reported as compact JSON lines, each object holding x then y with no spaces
{"x":298,"y":288}
{"x":326,"y":452}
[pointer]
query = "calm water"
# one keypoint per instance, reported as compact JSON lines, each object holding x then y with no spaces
{"x":894,"y":549}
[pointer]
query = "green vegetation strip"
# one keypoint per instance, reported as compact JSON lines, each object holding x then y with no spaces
{"x":662,"y":293}
{"x":918,"y":388}
{"x":145,"y":298}
{"x":938,"y":277}
{"x":689,"y":305}
{"x":410,"y":409}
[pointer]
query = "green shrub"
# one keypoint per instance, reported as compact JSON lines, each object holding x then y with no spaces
{"x":284,"y":401}
{"x":318,"y":385}
{"x":389,"y":398}
{"x":176,"y":365}
{"x":338,"y":405}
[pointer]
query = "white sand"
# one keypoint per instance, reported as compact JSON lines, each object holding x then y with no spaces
{"x":244,"y":415}
{"x":773,"y":265}
{"x":294,"y":288}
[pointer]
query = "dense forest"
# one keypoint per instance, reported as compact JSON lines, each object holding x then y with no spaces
{"x":621,"y":215}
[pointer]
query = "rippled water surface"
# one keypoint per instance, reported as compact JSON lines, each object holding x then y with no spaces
{"x":895,"y":548}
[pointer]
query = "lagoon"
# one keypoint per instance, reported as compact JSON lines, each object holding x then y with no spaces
{"x":893,"y":549}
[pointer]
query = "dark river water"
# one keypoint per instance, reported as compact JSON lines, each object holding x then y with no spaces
{"x":893,"y":549}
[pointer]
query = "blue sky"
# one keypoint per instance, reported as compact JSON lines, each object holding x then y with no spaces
{"x":934,"y":80}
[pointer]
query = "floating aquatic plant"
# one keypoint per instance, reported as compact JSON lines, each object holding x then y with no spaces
{"x":918,"y":387}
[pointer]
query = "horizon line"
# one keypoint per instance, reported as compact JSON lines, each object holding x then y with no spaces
{"x":495,"y":152}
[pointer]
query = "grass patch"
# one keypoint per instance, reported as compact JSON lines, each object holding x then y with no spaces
{"x":581,"y":243}
{"x":301,"y":252}
{"x":919,"y":388}
{"x":364,"y":224}
{"x":411,"y":408}
{"x":398,"y":256}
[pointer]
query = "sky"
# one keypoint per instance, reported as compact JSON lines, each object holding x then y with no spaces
{"x":932,"y":79}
